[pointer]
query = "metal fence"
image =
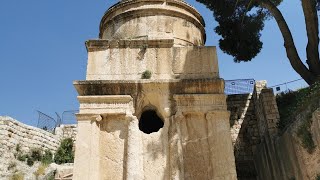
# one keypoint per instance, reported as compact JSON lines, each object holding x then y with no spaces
{"x":49,"y":124}
{"x":46,"y":122}
{"x":239,"y":86}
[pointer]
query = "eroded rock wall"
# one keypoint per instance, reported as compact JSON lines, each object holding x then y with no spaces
{"x":283,"y":157}
{"x":14,"y":133}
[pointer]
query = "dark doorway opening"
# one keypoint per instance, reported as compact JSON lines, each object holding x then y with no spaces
{"x":150,"y":122}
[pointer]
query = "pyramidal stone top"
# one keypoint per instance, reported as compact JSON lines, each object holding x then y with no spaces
{"x":154,"y":20}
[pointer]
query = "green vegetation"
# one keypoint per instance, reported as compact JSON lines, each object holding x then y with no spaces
{"x":18,"y":148}
{"x":30,"y":161}
{"x":65,"y":152}
{"x":318,"y":177}
{"x":306,"y":137}
{"x":240,"y":24}
{"x":292,"y":103}
{"x":47,"y":157}
{"x":146,"y":74}
{"x":17,"y":176}
{"x":34,"y":155}
{"x":22,"y":157}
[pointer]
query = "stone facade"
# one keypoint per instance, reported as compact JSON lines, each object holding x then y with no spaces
{"x":253,"y":116}
{"x":244,"y":133}
{"x":174,"y":125}
{"x":66,"y":131}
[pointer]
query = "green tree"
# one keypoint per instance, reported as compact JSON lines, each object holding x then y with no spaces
{"x":241,"y":23}
{"x":65,"y":153}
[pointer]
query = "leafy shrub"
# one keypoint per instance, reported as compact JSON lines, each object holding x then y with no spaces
{"x":47,"y":157}
{"x":292,"y":103}
{"x":65,"y":152}
{"x":318,"y":177}
{"x":30,"y":161}
{"x":22,"y":157}
{"x":18,"y":148}
{"x":36,"y":154}
{"x":306,"y":137}
{"x":146,"y":74}
{"x":17,"y":176}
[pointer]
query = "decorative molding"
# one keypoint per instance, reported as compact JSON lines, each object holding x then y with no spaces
{"x":217,"y":100}
{"x":98,"y":117}
{"x":110,"y":104}
{"x":93,"y":45}
{"x":105,"y":99}
{"x":216,"y":115}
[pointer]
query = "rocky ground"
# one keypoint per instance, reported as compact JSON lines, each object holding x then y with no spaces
{"x":18,"y":170}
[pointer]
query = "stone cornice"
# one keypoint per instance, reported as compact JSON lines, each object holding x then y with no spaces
{"x":132,"y":88}
{"x":106,"y":44}
{"x":96,"y":117}
{"x":105,"y":99}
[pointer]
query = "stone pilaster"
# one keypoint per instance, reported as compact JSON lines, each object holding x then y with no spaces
{"x":203,"y":129}
{"x":221,"y":150}
{"x":103,"y":130}
{"x":87,"y":164}
{"x":134,"y":162}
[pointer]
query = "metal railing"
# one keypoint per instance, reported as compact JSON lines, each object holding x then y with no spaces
{"x":49,"y":124}
{"x":239,"y":86}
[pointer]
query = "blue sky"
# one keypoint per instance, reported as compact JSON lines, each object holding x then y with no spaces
{"x":42,"y":51}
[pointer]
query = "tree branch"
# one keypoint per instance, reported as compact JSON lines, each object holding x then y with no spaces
{"x":312,"y":26}
{"x":290,"y":47}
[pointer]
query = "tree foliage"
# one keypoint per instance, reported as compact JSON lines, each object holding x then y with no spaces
{"x":65,"y":152}
{"x":241,"y":23}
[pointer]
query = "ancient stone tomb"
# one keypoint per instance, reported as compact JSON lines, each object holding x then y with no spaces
{"x":152,"y":105}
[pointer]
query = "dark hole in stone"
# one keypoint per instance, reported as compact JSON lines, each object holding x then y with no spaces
{"x":150,"y":122}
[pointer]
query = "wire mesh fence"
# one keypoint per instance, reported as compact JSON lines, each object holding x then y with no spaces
{"x":239,"y":86}
{"x":49,"y":124}
{"x":46,"y":122}
{"x":69,"y":117}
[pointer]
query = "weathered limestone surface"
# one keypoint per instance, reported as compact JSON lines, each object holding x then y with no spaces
{"x":282,"y":156}
{"x":244,"y":133}
{"x":155,"y":19}
{"x":184,"y":92}
{"x":13,"y":132}
{"x":131,"y":60}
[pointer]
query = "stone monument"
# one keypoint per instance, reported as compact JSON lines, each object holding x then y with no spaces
{"x":152,"y":105}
